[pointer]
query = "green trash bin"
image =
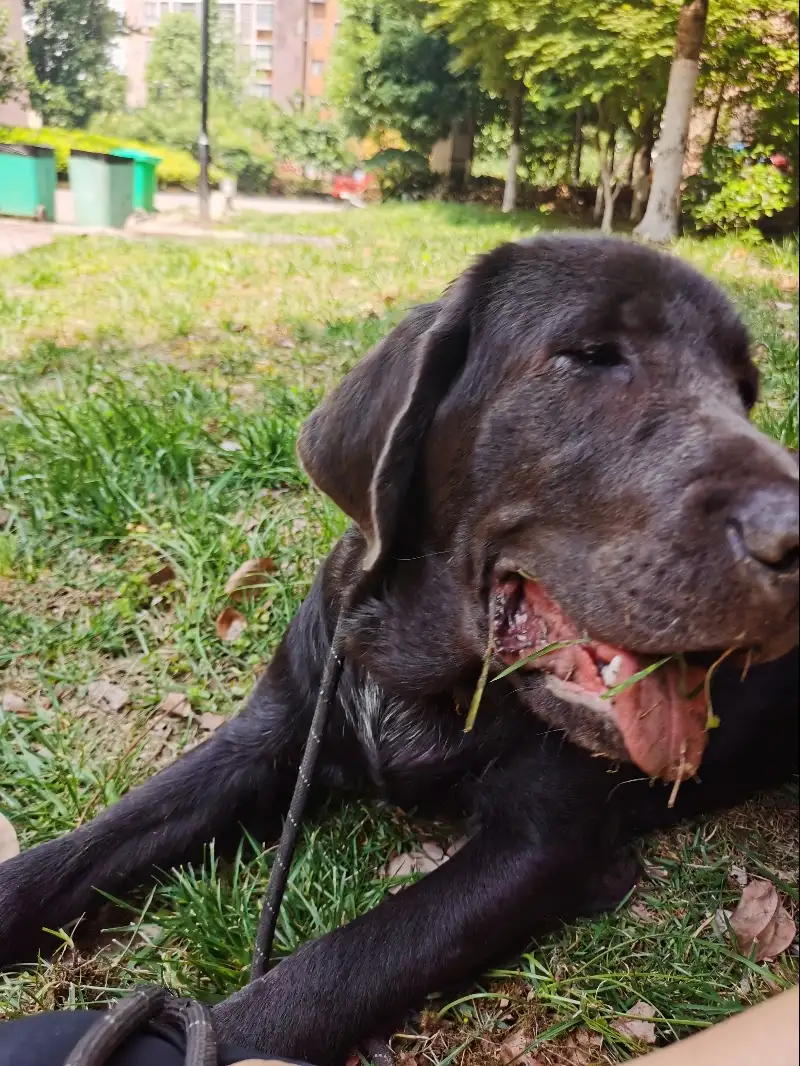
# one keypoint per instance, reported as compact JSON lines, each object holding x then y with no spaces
{"x":144,"y":176}
{"x":102,"y":188}
{"x":28,"y":181}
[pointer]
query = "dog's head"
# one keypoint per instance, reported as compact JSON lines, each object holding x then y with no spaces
{"x":569,"y":427}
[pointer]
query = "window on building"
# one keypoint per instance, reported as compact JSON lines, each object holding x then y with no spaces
{"x":264,"y":55}
{"x":246,"y":21}
{"x":264,"y":90}
{"x":317,"y":67}
{"x":265,"y":15}
{"x":150,"y":11}
{"x":317,"y":30}
{"x":227,"y":14}
{"x":164,"y":9}
{"x":188,"y":8}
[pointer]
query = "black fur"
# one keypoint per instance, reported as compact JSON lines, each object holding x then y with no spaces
{"x":474,"y":437}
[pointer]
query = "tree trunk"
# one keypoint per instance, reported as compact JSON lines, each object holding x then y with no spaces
{"x":640,"y":185}
{"x":609,"y":188}
{"x":712,"y":133}
{"x":576,"y":165}
{"x":606,"y":157}
{"x":660,"y":222}
{"x":515,"y":114}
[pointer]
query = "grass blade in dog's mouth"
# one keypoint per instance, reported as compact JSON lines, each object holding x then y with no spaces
{"x":658,"y":704}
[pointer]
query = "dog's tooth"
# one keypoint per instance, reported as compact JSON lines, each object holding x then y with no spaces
{"x":610,"y":673}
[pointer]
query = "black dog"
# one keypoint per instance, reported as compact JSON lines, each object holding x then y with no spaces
{"x":556,"y":451}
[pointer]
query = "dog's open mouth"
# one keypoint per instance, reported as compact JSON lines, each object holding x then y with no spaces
{"x":658,"y":704}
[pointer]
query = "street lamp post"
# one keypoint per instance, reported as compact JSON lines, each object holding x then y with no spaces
{"x":202,"y":140}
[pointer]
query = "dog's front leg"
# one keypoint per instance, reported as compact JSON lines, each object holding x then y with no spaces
{"x":240,"y":776}
{"x":539,"y":856}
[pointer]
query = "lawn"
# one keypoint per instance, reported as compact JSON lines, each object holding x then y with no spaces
{"x":150,"y":394}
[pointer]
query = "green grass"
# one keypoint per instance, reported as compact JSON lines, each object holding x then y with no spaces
{"x":150,"y":395}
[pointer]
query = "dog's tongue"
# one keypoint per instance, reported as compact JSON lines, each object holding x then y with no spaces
{"x":661,"y":717}
{"x":664,"y":729}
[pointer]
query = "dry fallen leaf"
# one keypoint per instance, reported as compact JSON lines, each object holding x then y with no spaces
{"x":640,"y":910}
{"x":249,"y":577}
{"x":176,"y":703}
{"x":633,"y":1024}
{"x":14,"y":704}
{"x":722,"y":920}
{"x":230,"y":446}
{"x":754,"y":911}
{"x":107,"y":696}
{"x":739,"y":875}
{"x":777,"y":937}
{"x":211,"y":721}
{"x":581,"y":1048}
{"x":760,"y":924}
{"x":422,"y":860}
{"x":788,"y":283}
{"x":161,"y":576}
{"x":513,"y":1050}
{"x":5,"y":517}
{"x":9,"y":845}
{"x":230,"y":624}
{"x":405,"y":1058}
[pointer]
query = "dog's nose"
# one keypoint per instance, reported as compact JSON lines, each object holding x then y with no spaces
{"x":767,"y":527}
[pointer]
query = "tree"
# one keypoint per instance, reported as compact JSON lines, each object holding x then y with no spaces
{"x":389,"y":72}
{"x":612,"y":63}
{"x":69,"y":49}
{"x":661,"y":218}
{"x":749,"y":67}
{"x":173,"y":72}
{"x":13,"y":79}
{"x":486,"y":37}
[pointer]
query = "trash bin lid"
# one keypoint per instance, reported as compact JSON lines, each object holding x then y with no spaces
{"x":26,"y":149}
{"x":136,"y":154}
{"x":116,"y":160}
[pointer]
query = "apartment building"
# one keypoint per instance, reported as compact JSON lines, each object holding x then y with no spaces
{"x":286,"y":43}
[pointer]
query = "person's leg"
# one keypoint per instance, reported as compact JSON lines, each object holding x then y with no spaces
{"x":47,"y":1040}
{"x":766,"y":1034}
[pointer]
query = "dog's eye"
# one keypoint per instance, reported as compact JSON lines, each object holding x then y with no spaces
{"x":604,"y":354}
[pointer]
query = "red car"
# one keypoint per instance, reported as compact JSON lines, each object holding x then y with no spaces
{"x":346,"y":187}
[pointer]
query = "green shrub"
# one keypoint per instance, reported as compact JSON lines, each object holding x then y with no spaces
{"x":736,"y":189}
{"x":177,"y":167}
{"x":403,"y":175}
{"x":235,"y":149}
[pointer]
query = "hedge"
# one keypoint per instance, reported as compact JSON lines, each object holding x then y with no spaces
{"x":177,"y":167}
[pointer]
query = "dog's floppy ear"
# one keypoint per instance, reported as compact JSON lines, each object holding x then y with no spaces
{"x":361,"y":445}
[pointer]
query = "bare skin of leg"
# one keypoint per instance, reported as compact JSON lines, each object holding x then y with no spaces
{"x":768,"y":1033}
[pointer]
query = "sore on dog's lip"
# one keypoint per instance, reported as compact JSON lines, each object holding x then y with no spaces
{"x":662,"y":717}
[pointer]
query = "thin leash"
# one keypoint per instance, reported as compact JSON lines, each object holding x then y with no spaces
{"x":159,"y":1008}
{"x":276,"y":886}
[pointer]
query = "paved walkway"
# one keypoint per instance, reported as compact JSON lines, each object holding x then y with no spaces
{"x":176,"y":217}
